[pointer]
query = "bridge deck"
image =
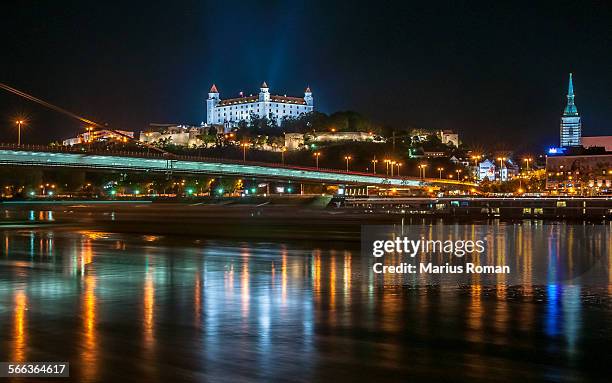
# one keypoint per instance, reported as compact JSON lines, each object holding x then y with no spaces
{"x":132,"y":161}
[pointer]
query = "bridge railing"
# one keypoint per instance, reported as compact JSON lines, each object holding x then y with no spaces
{"x":182,"y":157}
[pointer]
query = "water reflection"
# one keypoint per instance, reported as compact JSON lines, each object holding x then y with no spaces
{"x":262,"y":311}
{"x":148,"y":304}
{"x":19,"y":324}
{"x":90,"y":341}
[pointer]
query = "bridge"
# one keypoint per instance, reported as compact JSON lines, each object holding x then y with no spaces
{"x":62,"y":157}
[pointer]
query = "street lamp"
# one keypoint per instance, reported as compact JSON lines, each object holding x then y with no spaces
{"x":527,"y":161}
{"x":476,"y":158}
{"x":501,"y":166}
{"x":244,"y":148}
{"x":399,"y":164}
{"x":347,"y":158}
{"x":422,"y":167}
{"x":458,"y":171}
{"x":392,"y":166}
{"x":283,"y":150}
{"x":440,"y":170}
{"x":374,"y":162}
{"x":387,"y":162}
{"x":19,"y":123}
{"x":317,"y":155}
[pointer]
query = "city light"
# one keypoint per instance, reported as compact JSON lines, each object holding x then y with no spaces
{"x":476,"y":158}
{"x":556,"y":150}
{"x":244,"y":148}
{"x":347,"y":158}
{"x":19,"y":123}
{"x":422,"y":168}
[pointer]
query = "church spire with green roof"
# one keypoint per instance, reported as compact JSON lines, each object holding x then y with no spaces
{"x":570,"y":108}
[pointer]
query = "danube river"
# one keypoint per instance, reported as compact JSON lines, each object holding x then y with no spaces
{"x":128,"y":305}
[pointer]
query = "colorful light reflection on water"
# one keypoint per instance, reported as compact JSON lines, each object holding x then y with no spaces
{"x":122,"y":307}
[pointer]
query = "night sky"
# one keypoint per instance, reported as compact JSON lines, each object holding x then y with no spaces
{"x":495,"y":73}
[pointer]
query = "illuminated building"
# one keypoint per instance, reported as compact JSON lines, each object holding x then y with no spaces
{"x":229,"y":112}
{"x":448,"y":137}
{"x":598,"y":142}
{"x":571,"y":127}
{"x":181,"y":135}
{"x":96,"y":136}
{"x":486,"y":169}
{"x":586,"y":174}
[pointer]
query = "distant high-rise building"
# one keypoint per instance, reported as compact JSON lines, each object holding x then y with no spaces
{"x":571,"y":127}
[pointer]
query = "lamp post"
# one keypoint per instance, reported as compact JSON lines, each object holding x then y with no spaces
{"x":527,"y":161}
{"x":399,"y":165}
{"x":440,"y":170}
{"x":476,"y":158}
{"x":374,"y":162}
{"x":501,"y":166}
{"x":244,"y":148}
{"x":423,"y":166}
{"x":387,"y":162}
{"x":347,"y":158}
{"x":283,"y":150}
{"x":458,"y":171}
{"x":317,"y":155}
{"x":392,"y":166}
{"x":19,"y":123}
{"x":90,"y":136}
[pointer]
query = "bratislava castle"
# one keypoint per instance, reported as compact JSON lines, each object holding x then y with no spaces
{"x":230,"y":111}
{"x":571,"y":127}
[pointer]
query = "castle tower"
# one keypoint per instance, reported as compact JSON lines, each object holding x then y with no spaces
{"x":308,"y":97}
{"x":264,"y":99}
{"x":211,"y":102}
{"x":264,"y":92}
{"x":571,"y":127}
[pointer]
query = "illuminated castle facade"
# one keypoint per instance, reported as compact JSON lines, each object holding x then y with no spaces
{"x":229,"y":112}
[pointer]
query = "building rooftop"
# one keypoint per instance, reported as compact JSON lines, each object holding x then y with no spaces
{"x":273,"y":98}
{"x":238,"y":100}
